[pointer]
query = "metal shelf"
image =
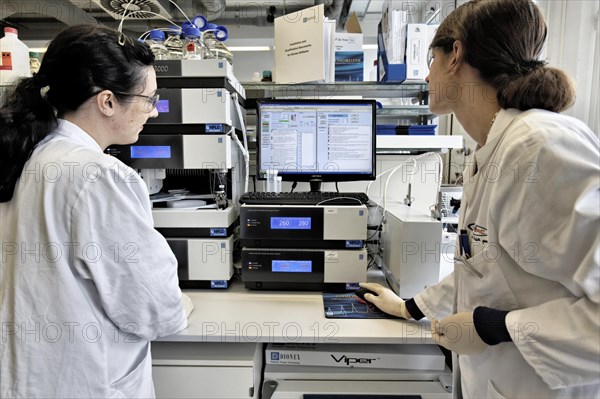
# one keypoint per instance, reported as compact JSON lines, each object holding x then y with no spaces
{"x":404,"y":110}
{"x":327,"y":90}
{"x":405,"y":144}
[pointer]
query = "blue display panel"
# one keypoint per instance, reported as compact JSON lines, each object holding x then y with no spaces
{"x":150,"y":151}
{"x":162,"y":106}
{"x":291,"y":223}
{"x":291,"y":266}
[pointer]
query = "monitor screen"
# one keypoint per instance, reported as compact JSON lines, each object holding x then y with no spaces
{"x":316,"y":140}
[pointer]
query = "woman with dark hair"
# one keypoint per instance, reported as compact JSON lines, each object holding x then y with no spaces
{"x":85,"y":281}
{"x":520,"y":312}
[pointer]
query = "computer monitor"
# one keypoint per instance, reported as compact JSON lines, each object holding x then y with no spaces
{"x":316,"y":140}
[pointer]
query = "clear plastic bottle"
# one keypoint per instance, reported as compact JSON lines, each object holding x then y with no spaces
{"x":156,"y":40}
{"x":174,"y":44}
{"x":14,"y":62}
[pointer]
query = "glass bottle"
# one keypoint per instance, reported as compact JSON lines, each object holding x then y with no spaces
{"x":156,"y":40}
{"x":174,"y":44}
{"x":221,"y":197}
{"x":214,"y":36}
{"x":191,"y":43}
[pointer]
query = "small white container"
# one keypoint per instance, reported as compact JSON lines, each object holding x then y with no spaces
{"x":273,"y":184}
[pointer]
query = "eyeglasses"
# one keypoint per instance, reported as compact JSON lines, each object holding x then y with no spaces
{"x":430,"y":57}
{"x":150,"y":102}
{"x":444,"y":44}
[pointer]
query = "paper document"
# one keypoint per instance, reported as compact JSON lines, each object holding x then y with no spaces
{"x":300,"y":46}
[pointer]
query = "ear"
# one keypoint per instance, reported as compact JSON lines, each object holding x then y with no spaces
{"x":105,"y":101}
{"x":455,"y":57}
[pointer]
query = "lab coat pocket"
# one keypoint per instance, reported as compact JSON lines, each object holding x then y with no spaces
{"x":482,"y":283}
{"x":136,"y":384}
{"x":492,"y":392}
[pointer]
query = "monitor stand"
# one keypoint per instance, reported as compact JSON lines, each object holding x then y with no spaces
{"x":315,"y":185}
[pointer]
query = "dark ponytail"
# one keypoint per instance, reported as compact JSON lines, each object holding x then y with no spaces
{"x":81,"y":61}
{"x":542,"y":88}
{"x":25,"y":119}
{"x":503,"y":40}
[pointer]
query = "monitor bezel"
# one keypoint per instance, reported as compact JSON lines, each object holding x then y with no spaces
{"x":319,"y":177}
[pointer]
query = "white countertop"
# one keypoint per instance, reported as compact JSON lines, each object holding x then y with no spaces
{"x":240,"y":315}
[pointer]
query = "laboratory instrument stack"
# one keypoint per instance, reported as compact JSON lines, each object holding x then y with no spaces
{"x":189,"y":156}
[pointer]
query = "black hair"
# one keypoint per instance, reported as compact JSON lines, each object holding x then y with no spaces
{"x":503,"y":40}
{"x":80,"y":62}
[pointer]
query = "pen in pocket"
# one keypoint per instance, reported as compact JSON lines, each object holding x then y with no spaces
{"x":465,"y":248}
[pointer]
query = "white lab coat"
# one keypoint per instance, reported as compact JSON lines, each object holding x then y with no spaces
{"x":531,"y":206}
{"x":85,"y":281}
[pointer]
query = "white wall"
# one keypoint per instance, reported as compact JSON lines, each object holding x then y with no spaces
{"x":245,"y":63}
{"x":574,"y":45}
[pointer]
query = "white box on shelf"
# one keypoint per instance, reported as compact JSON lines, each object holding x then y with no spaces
{"x":418,"y":38}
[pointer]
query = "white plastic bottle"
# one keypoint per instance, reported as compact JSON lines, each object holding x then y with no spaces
{"x":156,"y":42}
{"x":14,"y":62}
{"x":174,"y":44}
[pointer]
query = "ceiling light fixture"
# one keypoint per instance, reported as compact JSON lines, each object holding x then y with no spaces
{"x":249,"y":48}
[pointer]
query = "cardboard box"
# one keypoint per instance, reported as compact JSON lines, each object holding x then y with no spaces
{"x":349,"y":54}
{"x":418,"y":38}
{"x":349,"y":57}
{"x":393,"y":27}
{"x":393,"y":356}
{"x":387,"y":71}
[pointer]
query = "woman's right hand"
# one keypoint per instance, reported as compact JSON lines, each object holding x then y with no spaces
{"x":386,"y":300}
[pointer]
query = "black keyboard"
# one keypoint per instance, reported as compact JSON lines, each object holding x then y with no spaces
{"x":304,"y":198}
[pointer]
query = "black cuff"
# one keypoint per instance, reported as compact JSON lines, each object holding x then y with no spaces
{"x":413,"y":309}
{"x":490,"y":324}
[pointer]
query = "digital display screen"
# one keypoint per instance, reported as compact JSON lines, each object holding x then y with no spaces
{"x":291,"y":266}
{"x":150,"y":151}
{"x":290,"y":223}
{"x":162,"y":106}
{"x":321,"y":140}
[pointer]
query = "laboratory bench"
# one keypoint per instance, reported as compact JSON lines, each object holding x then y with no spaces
{"x":240,"y":315}
{"x":221,"y":354}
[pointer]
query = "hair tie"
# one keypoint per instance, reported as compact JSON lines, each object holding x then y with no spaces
{"x":40,"y":83}
{"x":527,"y":66}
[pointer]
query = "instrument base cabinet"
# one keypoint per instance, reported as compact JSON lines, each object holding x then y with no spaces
{"x":206,"y":370}
{"x":234,"y":370}
{"x":291,"y":382}
{"x":348,"y":389}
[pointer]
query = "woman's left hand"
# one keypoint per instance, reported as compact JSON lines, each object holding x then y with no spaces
{"x":457,"y":333}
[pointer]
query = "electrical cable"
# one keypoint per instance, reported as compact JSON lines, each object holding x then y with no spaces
{"x":245,"y":152}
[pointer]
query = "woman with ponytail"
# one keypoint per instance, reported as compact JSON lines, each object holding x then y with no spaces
{"x":85,"y":281}
{"x":521,"y":310}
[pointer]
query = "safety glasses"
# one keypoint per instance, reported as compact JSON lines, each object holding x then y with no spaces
{"x":150,"y":102}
